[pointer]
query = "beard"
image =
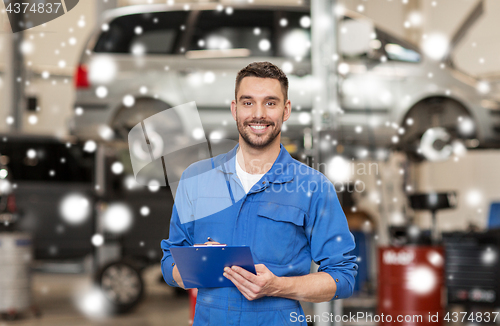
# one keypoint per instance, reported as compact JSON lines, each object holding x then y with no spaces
{"x":258,"y":140}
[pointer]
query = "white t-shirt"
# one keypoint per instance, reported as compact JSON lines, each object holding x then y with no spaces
{"x":247,"y":179}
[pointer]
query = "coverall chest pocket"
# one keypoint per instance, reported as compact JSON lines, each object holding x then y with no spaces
{"x":276,"y":232}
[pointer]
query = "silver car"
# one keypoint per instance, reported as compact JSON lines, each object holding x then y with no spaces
{"x":145,"y":59}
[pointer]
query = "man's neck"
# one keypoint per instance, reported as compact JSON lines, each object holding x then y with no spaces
{"x":257,"y":160}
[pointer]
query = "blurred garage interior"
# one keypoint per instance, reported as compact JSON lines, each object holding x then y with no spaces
{"x":397,"y":102}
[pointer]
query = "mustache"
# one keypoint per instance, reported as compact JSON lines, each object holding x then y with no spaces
{"x":262,"y":122}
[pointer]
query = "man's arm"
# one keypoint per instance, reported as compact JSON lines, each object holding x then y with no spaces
{"x":315,"y":287}
{"x":330,"y":239}
{"x":331,"y":244}
{"x":179,"y":235}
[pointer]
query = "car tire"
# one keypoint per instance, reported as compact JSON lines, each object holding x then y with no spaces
{"x":122,"y":285}
{"x":439,"y":115}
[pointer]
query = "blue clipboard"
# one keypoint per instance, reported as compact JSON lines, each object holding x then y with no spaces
{"x":203,"y":266}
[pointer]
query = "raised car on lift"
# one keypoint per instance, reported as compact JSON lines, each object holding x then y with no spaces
{"x":145,"y":59}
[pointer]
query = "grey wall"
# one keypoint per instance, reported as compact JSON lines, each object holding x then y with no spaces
{"x":56,"y":48}
{"x":443,"y":16}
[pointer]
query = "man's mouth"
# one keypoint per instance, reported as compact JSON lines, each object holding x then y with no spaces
{"x":258,"y":128}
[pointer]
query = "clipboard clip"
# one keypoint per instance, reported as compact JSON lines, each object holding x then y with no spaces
{"x":208,"y":244}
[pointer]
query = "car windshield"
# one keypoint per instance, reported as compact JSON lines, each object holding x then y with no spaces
{"x":244,"y":32}
{"x":259,"y":32}
{"x":218,"y":30}
{"x":148,"y":33}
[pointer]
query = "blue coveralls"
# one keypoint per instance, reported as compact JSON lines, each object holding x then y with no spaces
{"x":288,"y":218}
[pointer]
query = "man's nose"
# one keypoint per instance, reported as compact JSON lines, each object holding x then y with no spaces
{"x":259,"y":111}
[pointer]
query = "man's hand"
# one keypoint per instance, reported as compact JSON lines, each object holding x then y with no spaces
{"x":253,"y":286}
{"x":314,"y":287}
{"x":177,"y":277}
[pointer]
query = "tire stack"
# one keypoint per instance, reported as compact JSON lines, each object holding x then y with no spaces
{"x":15,"y":273}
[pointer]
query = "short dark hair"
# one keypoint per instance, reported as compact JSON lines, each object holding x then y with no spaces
{"x":262,"y":70}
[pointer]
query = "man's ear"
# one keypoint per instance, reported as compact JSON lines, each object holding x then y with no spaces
{"x":288,"y":110}
{"x":233,"y":109}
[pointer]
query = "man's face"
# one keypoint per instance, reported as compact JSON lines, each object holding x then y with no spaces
{"x":259,"y":110}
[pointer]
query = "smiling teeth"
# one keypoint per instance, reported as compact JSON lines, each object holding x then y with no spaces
{"x":258,"y":127}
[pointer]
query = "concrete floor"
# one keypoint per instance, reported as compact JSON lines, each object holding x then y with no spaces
{"x":54,"y":294}
{"x":56,"y":297}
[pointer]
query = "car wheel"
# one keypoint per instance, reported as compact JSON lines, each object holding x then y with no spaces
{"x":433,"y":128}
{"x":122,"y":284}
{"x":436,"y":145}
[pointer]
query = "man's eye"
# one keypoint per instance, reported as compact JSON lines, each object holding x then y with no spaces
{"x":247,"y":103}
{"x":271,"y":103}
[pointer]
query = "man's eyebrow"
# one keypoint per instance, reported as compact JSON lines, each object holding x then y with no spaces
{"x":267,"y":98}
{"x":245,"y":97}
{"x":271,"y":97}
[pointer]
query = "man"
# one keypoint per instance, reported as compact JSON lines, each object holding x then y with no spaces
{"x":258,"y":195}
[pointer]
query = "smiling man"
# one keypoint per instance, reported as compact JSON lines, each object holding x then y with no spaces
{"x":260,"y":129}
{"x":258,"y":195}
